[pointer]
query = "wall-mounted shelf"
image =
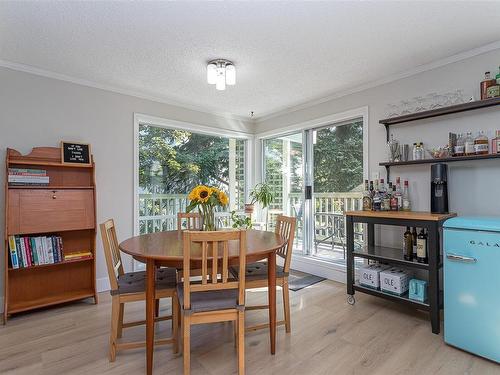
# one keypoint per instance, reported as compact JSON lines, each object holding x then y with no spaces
{"x":388,"y":165}
{"x":464,"y":107}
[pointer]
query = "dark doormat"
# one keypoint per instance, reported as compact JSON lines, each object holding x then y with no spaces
{"x":300,"y":280}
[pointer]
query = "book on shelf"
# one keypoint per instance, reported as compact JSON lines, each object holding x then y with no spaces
{"x":27,"y":177}
{"x":34,"y":251}
{"x":78,"y":255}
{"x":27,"y":172}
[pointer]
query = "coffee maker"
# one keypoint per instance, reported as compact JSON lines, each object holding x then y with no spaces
{"x":439,"y":189}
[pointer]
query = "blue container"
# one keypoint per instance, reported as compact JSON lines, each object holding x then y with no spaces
{"x":418,"y":290}
{"x":472,"y":285}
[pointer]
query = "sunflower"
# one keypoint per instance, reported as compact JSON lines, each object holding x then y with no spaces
{"x":224,"y":200}
{"x":193,"y":195}
{"x":203,"y":193}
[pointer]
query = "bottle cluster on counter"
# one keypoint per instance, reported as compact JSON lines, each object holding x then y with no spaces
{"x":415,"y":246}
{"x":378,"y":197}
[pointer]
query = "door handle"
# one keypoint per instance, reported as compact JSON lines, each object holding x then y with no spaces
{"x":461,"y":258}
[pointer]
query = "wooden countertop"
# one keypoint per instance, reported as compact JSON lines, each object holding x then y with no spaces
{"x":409,"y":215}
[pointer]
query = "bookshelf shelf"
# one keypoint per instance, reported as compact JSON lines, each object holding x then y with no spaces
{"x":48,"y":164}
{"x":50,"y":187}
{"x":50,"y":265}
{"x":65,"y":208}
{"x":50,"y":300}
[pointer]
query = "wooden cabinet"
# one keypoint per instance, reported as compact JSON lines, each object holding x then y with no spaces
{"x":65,"y":208}
{"x":37,"y":210}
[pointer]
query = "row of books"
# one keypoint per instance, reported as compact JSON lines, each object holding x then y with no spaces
{"x":33,"y":251}
{"x":27,"y":176}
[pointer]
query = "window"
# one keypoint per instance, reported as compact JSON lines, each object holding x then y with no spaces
{"x":172,"y":161}
{"x":329,"y":162}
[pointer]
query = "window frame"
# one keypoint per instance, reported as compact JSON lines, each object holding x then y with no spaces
{"x":143,"y":119}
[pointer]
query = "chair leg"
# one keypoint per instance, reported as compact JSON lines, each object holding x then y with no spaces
{"x":235,"y":331}
{"x":286,"y":305}
{"x":241,"y":342}
{"x":175,"y":323}
{"x":115,"y":315}
{"x":186,"y":344}
{"x":120,"y":320}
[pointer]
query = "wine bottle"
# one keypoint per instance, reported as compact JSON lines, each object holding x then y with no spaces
{"x":414,"y":242}
{"x":422,"y":247}
{"x":408,"y":245}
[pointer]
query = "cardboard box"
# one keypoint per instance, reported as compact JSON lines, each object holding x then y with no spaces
{"x":370,"y":275}
{"x":394,"y":280}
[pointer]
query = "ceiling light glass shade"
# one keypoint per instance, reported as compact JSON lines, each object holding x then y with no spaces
{"x":220,"y":84}
{"x":230,"y":74}
{"x":212,"y":74}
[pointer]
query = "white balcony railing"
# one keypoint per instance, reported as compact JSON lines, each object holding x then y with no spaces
{"x":158,"y":212}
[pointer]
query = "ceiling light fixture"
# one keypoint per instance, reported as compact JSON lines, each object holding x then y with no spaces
{"x":220,"y":73}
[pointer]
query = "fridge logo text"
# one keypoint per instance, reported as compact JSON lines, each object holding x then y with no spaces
{"x":481,"y":243}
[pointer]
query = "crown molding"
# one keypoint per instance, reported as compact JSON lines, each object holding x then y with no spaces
{"x":129,"y":92}
{"x":266,"y":116}
{"x":379,"y":82}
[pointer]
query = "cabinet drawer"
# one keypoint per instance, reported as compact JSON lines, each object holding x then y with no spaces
{"x":37,"y":211}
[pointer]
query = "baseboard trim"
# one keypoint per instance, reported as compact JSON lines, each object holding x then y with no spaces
{"x":102,"y":284}
{"x":320,"y":268}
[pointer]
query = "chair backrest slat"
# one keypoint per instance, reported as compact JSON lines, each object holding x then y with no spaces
{"x":285,"y":227}
{"x":192,"y":220}
{"x":214,"y":245}
{"x":111,"y":252}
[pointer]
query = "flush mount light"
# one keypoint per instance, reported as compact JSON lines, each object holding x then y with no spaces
{"x":220,"y":73}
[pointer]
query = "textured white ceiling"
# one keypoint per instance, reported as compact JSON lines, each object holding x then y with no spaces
{"x":286,"y":53}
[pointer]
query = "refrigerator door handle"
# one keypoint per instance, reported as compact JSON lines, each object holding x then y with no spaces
{"x":460,"y":258}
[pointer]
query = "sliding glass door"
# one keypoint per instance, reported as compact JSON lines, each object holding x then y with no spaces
{"x":317,"y":174}
{"x":337,"y":176}
{"x":284,"y":171}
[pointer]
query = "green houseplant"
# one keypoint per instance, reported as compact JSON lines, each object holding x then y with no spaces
{"x":261,"y":193}
{"x":241,"y":221}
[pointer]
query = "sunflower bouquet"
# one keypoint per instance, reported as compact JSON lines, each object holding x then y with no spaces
{"x":207,"y":199}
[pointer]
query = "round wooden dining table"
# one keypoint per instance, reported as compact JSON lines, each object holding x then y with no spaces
{"x":166,"y":249}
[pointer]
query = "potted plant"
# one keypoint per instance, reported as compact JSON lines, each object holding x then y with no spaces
{"x":207,"y":199}
{"x":261,"y":193}
{"x":241,"y":221}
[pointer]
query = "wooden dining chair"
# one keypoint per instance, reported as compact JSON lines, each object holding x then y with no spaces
{"x":192,"y":220}
{"x":217,"y":297}
{"x":131,"y":287}
{"x":256,"y":273}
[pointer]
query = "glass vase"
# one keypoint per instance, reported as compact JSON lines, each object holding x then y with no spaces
{"x":207,"y":219}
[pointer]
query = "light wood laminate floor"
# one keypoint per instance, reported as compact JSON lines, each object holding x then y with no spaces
{"x":328,"y":337}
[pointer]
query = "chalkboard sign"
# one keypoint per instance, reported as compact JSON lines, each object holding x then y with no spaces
{"x":75,"y":153}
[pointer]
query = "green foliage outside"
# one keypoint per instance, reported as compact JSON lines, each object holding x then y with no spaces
{"x":338,"y":158}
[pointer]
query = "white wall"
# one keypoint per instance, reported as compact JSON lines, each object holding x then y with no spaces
{"x":473,"y":186}
{"x":38,"y":111}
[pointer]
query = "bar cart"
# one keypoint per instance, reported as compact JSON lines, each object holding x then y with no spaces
{"x":431,"y":222}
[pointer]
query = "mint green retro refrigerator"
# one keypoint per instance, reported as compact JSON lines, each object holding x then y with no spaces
{"x":471,"y":247}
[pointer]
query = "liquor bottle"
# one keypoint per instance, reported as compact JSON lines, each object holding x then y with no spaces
{"x":422,"y":247}
{"x":406,"y":198}
{"x":399,"y":194}
{"x":394,"y":200}
{"x":487,"y":82}
{"x":367,"y":199}
{"x":371,"y":189}
{"x":414,"y":242}
{"x":408,"y":245}
{"x":469,"y":144}
{"x":386,"y":199}
{"x":459,"y":149}
{"x":377,"y":198}
{"x":382,"y":192}
{"x":481,"y":144}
